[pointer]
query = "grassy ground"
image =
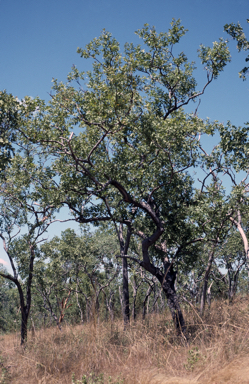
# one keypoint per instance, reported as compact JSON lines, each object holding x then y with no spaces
{"x":147,"y":352}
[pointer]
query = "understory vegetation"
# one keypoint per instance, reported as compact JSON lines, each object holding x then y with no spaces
{"x":146,"y":352}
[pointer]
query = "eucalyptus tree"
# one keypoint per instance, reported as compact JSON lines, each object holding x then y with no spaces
{"x":232,"y":258}
{"x":23,"y":220}
{"x":83,"y":265}
{"x":231,"y":163}
{"x":235,"y":144}
{"x":21,"y":251}
{"x":239,"y":214}
{"x":117,"y":137}
{"x":212,"y":215}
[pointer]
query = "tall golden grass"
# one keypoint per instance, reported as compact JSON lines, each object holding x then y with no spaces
{"x":146,"y":352}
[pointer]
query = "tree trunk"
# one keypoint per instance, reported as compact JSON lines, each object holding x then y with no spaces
{"x":110,"y":306}
{"x":126,"y":298}
{"x":168,"y":285}
{"x":206,"y":277}
{"x":244,"y":238}
{"x":209,"y":295}
{"x":233,"y":288}
{"x":167,"y":280}
{"x":48,"y":306}
{"x":24,"y":311}
{"x":121,"y":300}
{"x":150,"y":289}
{"x":162,"y":301}
{"x":124,"y":246}
{"x":135,"y":287}
{"x":80,"y":309}
{"x":205,"y":283}
{"x":24,"y":325}
{"x":233,"y":282}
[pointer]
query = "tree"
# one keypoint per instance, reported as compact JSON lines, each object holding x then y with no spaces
{"x":232,"y":161}
{"x":124,"y":144}
{"x":21,"y":254}
{"x":85,"y":267}
{"x":233,"y":259}
{"x":23,"y":221}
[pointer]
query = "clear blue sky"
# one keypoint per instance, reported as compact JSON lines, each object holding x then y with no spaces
{"x":38,"y":41}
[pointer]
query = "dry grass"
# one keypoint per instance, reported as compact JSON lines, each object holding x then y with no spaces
{"x":147,"y":352}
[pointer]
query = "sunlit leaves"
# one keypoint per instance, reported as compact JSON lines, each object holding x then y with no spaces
{"x":237,"y":33}
{"x":215,"y":58}
{"x":124,"y":121}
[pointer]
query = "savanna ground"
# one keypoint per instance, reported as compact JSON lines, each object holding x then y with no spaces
{"x":147,"y":352}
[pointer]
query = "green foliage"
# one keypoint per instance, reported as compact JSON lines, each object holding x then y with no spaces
{"x":234,"y":144}
{"x":95,"y":379}
{"x":9,"y":120}
{"x":83,"y":265}
{"x":9,"y":317}
{"x":123,"y":118}
{"x":194,"y":356}
{"x":215,"y":58}
{"x":237,"y":33}
{"x":114,"y":145}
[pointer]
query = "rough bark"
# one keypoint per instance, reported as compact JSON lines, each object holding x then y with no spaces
{"x":121,"y":299}
{"x":25,"y":309}
{"x":124,"y":246}
{"x":24,"y":325}
{"x":167,"y":278}
{"x":167,"y":281}
{"x":168,"y":286}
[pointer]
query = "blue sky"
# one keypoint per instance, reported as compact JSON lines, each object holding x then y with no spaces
{"x":38,"y":42}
